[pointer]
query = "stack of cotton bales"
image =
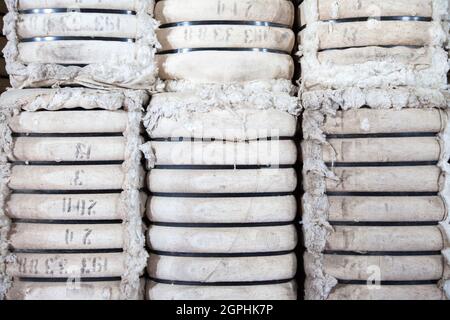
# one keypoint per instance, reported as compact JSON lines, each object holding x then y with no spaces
{"x":89,"y":42}
{"x":222,"y":206}
{"x":71,"y":201}
{"x":375,"y":150}
{"x":70,"y":188}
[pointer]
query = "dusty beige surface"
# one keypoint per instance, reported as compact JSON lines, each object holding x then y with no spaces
{"x":222,"y":210}
{"x":158,"y":291}
{"x":222,"y":181}
{"x":229,"y":269}
{"x":222,"y":240}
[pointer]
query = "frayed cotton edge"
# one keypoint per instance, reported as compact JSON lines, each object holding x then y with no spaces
{"x":187,"y":98}
{"x":63,"y":98}
{"x":354,"y":98}
{"x":317,"y":285}
{"x":444,"y":193}
{"x":5,"y":226}
{"x":149,"y":155}
{"x":134,"y":236}
{"x":138,"y":72}
{"x":315,"y":207}
{"x":6,"y":144}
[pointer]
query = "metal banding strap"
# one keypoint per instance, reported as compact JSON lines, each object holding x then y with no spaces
{"x":72,"y":222}
{"x":223,"y":225}
{"x":67,"y":163}
{"x":67,"y":135}
{"x":224,"y":22}
{"x":382,"y":194}
{"x":187,"y":50}
{"x":220,"y":283}
{"x":391,"y":282}
{"x":380,"y":164}
{"x":382,"y":135}
{"x":359,"y":47}
{"x":363,"y":19}
{"x":385,"y":223}
{"x":66,"y":251}
{"x":221,"y":254}
{"x":63,"y":280}
{"x":221,"y":195}
{"x":81,"y":10}
{"x":384,"y":18}
{"x":62,"y":192}
{"x":190,"y":139}
{"x":384,"y":253}
{"x":58,"y":38}
{"x":224,"y":167}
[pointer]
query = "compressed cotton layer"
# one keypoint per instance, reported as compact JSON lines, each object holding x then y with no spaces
{"x":392,"y":268}
{"x":81,"y":177}
{"x":389,"y":292}
{"x":362,"y":239}
{"x":364,"y":34}
{"x":344,"y":9}
{"x":264,"y":152}
{"x":69,"y":206}
{"x":101,"y":121}
{"x":35,"y":236}
{"x":385,"y":179}
{"x":225,"y":66}
{"x":81,"y":4}
{"x":373,"y":121}
{"x":412,"y":209}
{"x":222,"y":210}
{"x":227,"y":269}
{"x":159,"y":291}
{"x":242,"y":124}
{"x":76,"y":24}
{"x":104,"y":290}
{"x":276,"y":11}
{"x":69,"y":149}
{"x":226,"y":36}
{"x":222,"y":240}
{"x":83,"y":265}
{"x":67,"y":52}
{"x":382,"y":149}
{"x":237,"y":111}
{"x":222,"y":180}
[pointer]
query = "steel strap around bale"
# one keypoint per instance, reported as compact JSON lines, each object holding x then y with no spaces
{"x":224,"y":22}
{"x":64,"y":38}
{"x":187,"y":50}
{"x":70,"y":10}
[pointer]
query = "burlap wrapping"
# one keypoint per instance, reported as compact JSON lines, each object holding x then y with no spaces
{"x":105,"y":64}
{"x":130,"y":207}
